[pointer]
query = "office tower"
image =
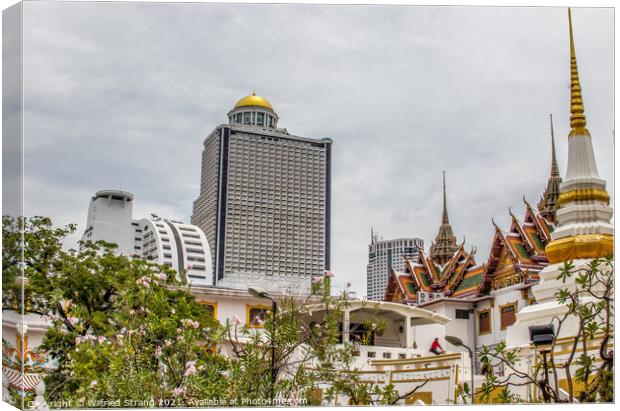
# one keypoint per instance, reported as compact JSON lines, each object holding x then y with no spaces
{"x":264,"y":201}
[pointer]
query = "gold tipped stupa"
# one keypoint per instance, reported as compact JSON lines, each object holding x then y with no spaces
{"x":577,"y":115}
{"x":596,"y":239}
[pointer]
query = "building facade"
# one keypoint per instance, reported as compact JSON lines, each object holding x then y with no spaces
{"x":264,"y":201}
{"x":110,"y":214}
{"x":183,"y":247}
{"x":385,"y":255}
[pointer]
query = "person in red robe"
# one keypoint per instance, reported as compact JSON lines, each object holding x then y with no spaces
{"x":436,"y":348}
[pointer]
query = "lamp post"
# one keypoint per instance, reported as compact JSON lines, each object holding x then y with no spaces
{"x":543,"y":336}
{"x":259,"y":293}
{"x":456,"y":341}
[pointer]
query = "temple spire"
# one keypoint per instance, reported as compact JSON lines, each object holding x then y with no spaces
{"x":444,"y":218}
{"x":577,"y":115}
{"x":547,"y":206}
{"x":444,"y":246}
{"x":584,"y":229}
{"x":555,"y":171}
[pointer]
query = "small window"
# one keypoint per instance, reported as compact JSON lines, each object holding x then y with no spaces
{"x":247,"y":118}
{"x":256,"y":315}
{"x":462,"y":314}
{"x":508,"y":315}
{"x":484,"y":322}
{"x":239,"y":118}
{"x":260,"y":119}
{"x":387,"y":355}
{"x":371,"y":354}
{"x":210,"y":307}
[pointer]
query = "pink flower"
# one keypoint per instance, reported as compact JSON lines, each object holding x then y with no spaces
{"x":329,"y":274}
{"x":93,"y":384}
{"x":179,"y":391}
{"x":236,"y":319}
{"x":190,"y":369}
{"x":101,"y":339}
{"x":168,"y":343}
{"x":187,"y":323}
{"x":144,"y":281}
{"x":162,"y":276}
{"x":158,"y":352}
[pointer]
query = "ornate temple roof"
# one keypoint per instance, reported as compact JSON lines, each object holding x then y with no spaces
{"x":547,"y":206}
{"x":458,"y":277}
{"x":444,"y":246}
{"x":518,"y":255}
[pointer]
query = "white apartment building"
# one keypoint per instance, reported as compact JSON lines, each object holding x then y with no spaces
{"x":183,"y":247}
{"x":384,"y":255}
{"x":110,"y":214}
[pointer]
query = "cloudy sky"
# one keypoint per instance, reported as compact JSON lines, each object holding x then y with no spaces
{"x":121,"y":95}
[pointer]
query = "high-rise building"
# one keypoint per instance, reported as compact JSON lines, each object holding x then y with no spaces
{"x":183,"y":247}
{"x":385,"y":255}
{"x":110,"y":219}
{"x":264,"y":201}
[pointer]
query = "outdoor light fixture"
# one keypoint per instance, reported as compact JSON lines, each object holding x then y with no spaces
{"x":456,"y":341}
{"x":542,"y":334}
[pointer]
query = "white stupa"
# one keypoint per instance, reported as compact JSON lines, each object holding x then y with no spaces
{"x":584,"y":230}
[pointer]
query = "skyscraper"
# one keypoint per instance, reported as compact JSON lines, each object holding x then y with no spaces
{"x":264,"y":201}
{"x":385,"y":255}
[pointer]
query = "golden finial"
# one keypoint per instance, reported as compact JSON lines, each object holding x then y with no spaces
{"x":577,"y":116}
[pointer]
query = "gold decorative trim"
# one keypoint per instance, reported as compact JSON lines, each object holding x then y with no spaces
{"x":583,"y":194}
{"x":580,"y":246}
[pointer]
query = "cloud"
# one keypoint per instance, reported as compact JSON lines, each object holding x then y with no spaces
{"x":122,"y":95}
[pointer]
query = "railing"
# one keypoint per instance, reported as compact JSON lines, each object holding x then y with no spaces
{"x":375,"y":352}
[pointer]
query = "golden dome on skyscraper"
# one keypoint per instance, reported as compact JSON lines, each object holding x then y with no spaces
{"x":254,"y":101}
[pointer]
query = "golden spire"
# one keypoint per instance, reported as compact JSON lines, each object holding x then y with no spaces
{"x":577,"y":116}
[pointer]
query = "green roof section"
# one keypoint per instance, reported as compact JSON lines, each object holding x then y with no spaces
{"x":469,"y":282}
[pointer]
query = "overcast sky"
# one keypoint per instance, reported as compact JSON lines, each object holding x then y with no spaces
{"x":121,"y":96}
